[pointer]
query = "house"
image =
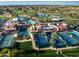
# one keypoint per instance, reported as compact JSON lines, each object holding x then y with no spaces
{"x":15,"y":19}
{"x":56,"y":18}
{"x":9,"y":25}
{"x":62,"y":26}
{"x":41,"y":15}
{"x":6,"y":14}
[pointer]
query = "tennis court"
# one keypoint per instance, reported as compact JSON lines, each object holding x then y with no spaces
{"x":7,"y":41}
{"x":58,"y":42}
{"x":74,"y":39}
{"x":2,"y":39}
{"x":68,"y":39}
{"x":75,"y":34}
{"x":41,"y":40}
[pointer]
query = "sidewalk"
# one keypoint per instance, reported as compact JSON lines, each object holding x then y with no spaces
{"x":25,"y":40}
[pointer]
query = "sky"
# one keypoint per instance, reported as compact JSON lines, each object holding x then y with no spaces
{"x":39,"y":3}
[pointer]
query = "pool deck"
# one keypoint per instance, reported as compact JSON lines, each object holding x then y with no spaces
{"x":42,"y":30}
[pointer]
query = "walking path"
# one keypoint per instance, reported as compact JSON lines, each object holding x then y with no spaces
{"x":68,"y":48}
{"x":25,"y":40}
{"x":52,"y":48}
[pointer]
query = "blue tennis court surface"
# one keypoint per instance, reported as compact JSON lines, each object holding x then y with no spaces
{"x":6,"y":41}
{"x":41,"y":40}
{"x":68,"y":39}
{"x":2,"y":39}
{"x":58,"y":42}
{"x":75,"y":34}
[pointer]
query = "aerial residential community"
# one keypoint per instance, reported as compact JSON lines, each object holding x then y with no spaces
{"x":39,"y":31}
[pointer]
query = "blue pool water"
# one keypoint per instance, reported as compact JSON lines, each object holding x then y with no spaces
{"x":23,"y":32}
{"x":48,"y":34}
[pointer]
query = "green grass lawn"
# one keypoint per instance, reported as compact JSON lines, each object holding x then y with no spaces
{"x":71,"y":52}
{"x":25,"y":50}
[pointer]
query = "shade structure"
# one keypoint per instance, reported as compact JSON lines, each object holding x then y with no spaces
{"x":15,"y":19}
{"x":31,"y":22}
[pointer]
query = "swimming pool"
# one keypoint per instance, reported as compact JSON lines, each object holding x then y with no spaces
{"x":23,"y":32}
